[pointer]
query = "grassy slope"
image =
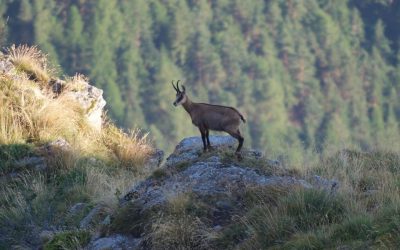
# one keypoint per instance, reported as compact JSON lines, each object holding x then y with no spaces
{"x":98,"y":167}
{"x":364,"y":213}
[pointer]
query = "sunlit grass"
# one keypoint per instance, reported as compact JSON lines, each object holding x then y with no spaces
{"x":96,"y":166}
{"x":31,"y":61}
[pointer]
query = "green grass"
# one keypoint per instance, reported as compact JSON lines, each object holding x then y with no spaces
{"x":159,"y":174}
{"x":9,"y":154}
{"x":68,"y":240}
{"x":130,"y":219}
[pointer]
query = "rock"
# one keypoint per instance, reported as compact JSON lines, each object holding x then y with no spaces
{"x":190,"y":148}
{"x":204,"y":177}
{"x":106,"y":221}
{"x":217,"y":228}
{"x":89,"y":97}
{"x":154,"y":160}
{"x":255,"y":153}
{"x":92,"y":101}
{"x":6,"y":67}
{"x":195,"y":143}
{"x":78,"y":207}
{"x":38,"y":163}
{"x":115,"y":242}
{"x":96,"y":215}
{"x":46,"y":236}
{"x":321,"y":183}
{"x":53,"y":147}
{"x":57,"y":86}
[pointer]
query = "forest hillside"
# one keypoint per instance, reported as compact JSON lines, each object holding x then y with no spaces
{"x":306,"y":73}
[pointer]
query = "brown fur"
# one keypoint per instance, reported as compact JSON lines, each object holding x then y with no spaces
{"x":212,"y":117}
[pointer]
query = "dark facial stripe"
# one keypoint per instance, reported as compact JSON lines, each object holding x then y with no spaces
{"x":179,"y":98}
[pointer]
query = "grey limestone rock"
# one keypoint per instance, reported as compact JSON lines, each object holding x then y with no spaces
{"x":92,"y":101}
{"x":155,"y":159}
{"x":115,"y":242}
{"x":204,"y":177}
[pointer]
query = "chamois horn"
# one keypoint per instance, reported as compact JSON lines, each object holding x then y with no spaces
{"x":177,"y":89}
{"x":177,"y":84}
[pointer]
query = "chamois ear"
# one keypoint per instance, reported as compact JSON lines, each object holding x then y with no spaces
{"x":184,"y":89}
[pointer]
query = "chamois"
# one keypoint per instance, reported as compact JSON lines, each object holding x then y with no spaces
{"x":211,"y":117}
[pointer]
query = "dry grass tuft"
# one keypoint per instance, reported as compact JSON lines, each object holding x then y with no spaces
{"x":177,"y":229}
{"x":31,"y":61}
{"x":76,"y":83}
{"x":28,"y":115}
{"x":105,"y":188}
{"x":130,"y":149}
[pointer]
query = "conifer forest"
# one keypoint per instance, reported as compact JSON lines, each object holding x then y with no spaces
{"x":310,"y":73}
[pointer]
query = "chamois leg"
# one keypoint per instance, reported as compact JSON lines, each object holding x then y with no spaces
{"x":203,"y":137}
{"x":208,"y":139}
{"x":236,"y":134}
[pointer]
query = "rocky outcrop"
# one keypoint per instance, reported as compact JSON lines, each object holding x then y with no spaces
{"x":92,"y":101}
{"x":216,"y":176}
{"x":188,"y":169}
{"x":89,"y":97}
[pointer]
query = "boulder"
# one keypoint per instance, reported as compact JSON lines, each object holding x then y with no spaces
{"x":191,"y":148}
{"x":92,"y":101}
{"x":116,"y":242}
{"x":95,"y":216}
{"x":77,"y":208}
{"x":154,"y":160}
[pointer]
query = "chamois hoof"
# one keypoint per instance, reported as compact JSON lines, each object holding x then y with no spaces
{"x":239,"y":156}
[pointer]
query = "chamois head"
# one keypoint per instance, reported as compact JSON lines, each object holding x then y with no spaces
{"x":180,"y":95}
